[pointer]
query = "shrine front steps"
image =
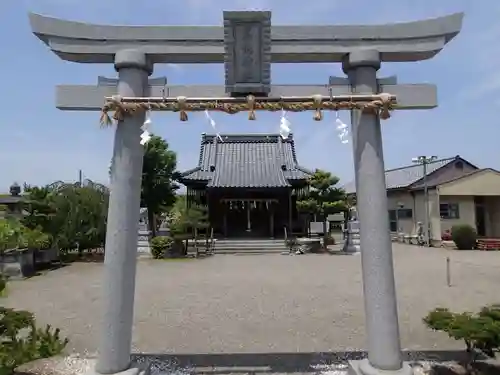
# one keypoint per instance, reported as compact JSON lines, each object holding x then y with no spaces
{"x":250,"y":246}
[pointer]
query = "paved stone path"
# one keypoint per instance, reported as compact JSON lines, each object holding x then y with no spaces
{"x":262,"y":303}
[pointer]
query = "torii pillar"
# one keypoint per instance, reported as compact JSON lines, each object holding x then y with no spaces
{"x":247,"y":45}
{"x":133,"y":67}
{"x":376,"y":256}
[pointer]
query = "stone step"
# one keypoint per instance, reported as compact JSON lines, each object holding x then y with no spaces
{"x":250,"y":251}
{"x":250,"y":244}
{"x":247,"y":246}
{"x":259,"y":240}
{"x":228,"y":240}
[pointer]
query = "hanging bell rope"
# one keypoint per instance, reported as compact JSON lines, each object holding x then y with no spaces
{"x":380,"y":104}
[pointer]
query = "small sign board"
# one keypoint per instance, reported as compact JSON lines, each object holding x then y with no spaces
{"x":336,"y":217}
{"x":316,"y":227}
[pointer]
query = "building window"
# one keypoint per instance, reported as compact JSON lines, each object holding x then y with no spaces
{"x":393,"y":223}
{"x":449,"y":211}
{"x":401,"y":214}
{"x":405,"y":213}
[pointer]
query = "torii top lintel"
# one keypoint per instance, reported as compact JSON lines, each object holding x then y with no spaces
{"x":88,"y":43}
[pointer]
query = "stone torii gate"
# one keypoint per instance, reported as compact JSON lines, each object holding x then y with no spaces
{"x":247,"y":44}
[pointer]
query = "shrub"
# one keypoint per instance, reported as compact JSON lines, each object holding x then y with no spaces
{"x":15,"y":235}
{"x":292,"y":244}
{"x":329,"y":240}
{"x":160,"y":246}
{"x":480,"y":332}
{"x":36,"y":239}
{"x":11,"y":235}
{"x":3,"y":285}
{"x":21,"y":341}
{"x":464,"y":236}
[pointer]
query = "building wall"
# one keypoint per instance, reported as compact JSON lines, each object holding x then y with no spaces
{"x":438,"y":224}
{"x":416,"y":202}
{"x":493,"y":216}
{"x":396,"y":199}
{"x":485,"y":184}
{"x":482,"y":183}
{"x":467,"y":208}
{"x":467,"y":212}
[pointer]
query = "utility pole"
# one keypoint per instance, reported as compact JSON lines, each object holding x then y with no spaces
{"x":424,"y":161}
{"x":80,"y":177}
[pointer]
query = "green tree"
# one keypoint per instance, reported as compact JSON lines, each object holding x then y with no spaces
{"x":180,"y":202}
{"x":38,"y":206}
{"x":324,"y":198}
{"x":71,"y":214}
{"x":158,"y":179}
{"x":81,"y":215}
{"x":187,"y":222}
{"x":191,"y":219}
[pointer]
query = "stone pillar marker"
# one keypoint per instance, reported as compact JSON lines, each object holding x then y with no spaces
{"x":123,"y":215}
{"x":382,"y":326}
{"x":352,"y":240}
{"x":143,"y":234}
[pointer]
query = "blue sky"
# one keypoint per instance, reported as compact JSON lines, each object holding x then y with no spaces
{"x":41,"y":144}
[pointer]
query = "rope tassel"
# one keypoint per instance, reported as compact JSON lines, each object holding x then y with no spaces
{"x":318,"y":101}
{"x":182,"y":108}
{"x":251,"y":107}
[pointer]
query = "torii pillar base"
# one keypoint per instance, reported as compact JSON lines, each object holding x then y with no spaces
{"x":134,"y":369}
{"x":363,"y":367}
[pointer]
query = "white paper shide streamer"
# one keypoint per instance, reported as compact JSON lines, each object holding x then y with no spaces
{"x":284,"y":125}
{"x":342,"y":130}
{"x":212,"y":124}
{"x":146,"y":135}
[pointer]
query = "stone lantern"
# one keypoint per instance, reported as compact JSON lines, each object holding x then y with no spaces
{"x":15,"y":189}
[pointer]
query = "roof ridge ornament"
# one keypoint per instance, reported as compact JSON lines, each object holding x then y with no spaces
{"x":122,"y":107}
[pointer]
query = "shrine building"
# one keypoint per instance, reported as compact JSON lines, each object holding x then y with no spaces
{"x":250,"y":184}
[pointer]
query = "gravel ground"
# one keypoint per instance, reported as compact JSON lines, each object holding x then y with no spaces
{"x":262,"y":303}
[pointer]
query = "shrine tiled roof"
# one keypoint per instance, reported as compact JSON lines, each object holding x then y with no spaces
{"x":247,"y":161}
